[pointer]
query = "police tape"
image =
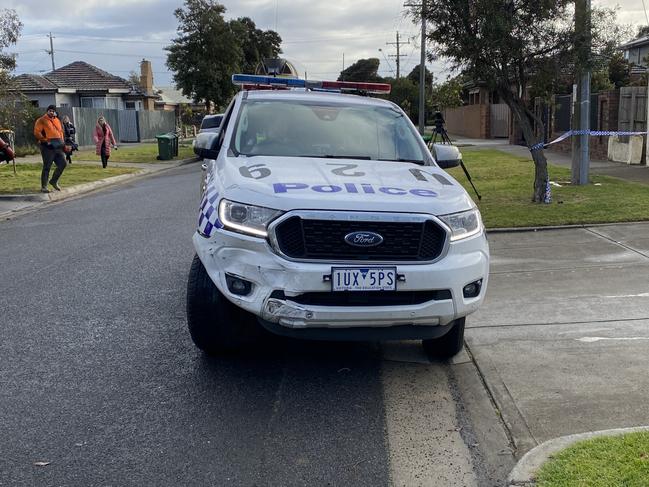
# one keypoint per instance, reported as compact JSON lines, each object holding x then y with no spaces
{"x":594,"y":133}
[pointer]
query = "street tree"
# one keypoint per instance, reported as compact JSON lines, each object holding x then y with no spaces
{"x":16,"y":113}
{"x":256,"y":44}
{"x":447,"y":94}
{"x":205,"y":53}
{"x":619,"y":70}
{"x":643,"y":31}
{"x":362,"y":70}
{"x":134,"y":80}
{"x":414,"y":76}
{"x":505,"y":51}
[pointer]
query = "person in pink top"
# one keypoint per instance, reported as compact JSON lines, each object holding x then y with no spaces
{"x":104,"y":138}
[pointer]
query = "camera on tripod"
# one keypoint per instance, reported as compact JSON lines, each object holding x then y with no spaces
{"x":438,"y":120}
{"x":445,"y":152}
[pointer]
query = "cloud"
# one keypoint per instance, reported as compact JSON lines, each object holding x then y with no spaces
{"x":315,"y":34}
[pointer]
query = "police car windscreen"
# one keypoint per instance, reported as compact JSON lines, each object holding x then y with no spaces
{"x":317,"y":129}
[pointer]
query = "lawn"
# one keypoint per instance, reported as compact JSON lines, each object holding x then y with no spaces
{"x":28,"y":176}
{"x":600,"y":462}
{"x":144,"y":153}
{"x":505,"y":183}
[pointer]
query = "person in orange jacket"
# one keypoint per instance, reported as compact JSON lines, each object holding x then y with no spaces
{"x":49,"y":133}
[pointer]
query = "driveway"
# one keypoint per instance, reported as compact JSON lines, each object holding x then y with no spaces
{"x":563,"y":338}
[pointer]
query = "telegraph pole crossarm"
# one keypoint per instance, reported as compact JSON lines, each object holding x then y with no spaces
{"x":397,"y":55}
{"x":51,"y":51}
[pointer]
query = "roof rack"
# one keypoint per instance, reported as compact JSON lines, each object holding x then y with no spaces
{"x":249,"y":81}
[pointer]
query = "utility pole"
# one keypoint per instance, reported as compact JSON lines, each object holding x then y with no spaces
{"x":581,"y":118}
{"x":422,"y":71}
{"x":397,"y":55}
{"x":422,"y":66}
{"x":342,"y":73}
{"x":51,"y":51}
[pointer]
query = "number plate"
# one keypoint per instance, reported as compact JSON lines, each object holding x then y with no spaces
{"x":363,"y":278}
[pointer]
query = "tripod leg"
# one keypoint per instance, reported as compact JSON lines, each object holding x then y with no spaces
{"x":468,"y":176}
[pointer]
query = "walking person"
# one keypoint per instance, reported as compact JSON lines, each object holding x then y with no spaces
{"x":103,"y":139}
{"x":69,"y":134}
{"x":49,"y":133}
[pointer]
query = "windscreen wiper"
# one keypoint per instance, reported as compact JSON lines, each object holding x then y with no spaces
{"x":401,"y":159}
{"x":331,"y":156}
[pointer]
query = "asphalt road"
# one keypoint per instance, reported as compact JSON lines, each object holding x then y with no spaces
{"x":101,"y":385}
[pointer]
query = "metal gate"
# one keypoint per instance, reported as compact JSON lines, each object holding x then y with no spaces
{"x":633,"y":109}
{"x":128,"y":126}
{"x":499,"y":120}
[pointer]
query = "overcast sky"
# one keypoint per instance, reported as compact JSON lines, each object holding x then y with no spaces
{"x":116,"y":34}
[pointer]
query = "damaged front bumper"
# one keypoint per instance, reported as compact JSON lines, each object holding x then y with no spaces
{"x":227,"y":255}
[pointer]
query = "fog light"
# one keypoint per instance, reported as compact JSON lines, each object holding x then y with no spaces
{"x":473,"y":289}
{"x":238,"y":286}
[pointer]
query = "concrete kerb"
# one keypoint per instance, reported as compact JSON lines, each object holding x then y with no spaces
{"x":40,"y":199}
{"x":560,"y":227}
{"x":523,"y":474}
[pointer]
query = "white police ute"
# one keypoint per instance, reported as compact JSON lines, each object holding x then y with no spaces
{"x":324,"y":216}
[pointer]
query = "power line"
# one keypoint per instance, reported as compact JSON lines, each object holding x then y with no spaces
{"x":112,"y":39}
{"x":645,"y":11}
{"x":112,"y":54}
{"x":341,"y":38}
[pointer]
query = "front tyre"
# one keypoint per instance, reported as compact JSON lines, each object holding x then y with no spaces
{"x":447,"y":345}
{"x":215,"y":324}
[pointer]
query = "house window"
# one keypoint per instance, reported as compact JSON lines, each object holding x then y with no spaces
{"x":133,"y":105}
{"x":34,"y":103}
{"x":65,"y":105}
{"x":111,"y":102}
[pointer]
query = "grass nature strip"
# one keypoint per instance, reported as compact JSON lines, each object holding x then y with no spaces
{"x":140,"y":153}
{"x":28,"y":176}
{"x":600,"y":462}
{"x":505,"y":183}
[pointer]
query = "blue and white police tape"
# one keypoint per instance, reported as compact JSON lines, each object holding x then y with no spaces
{"x":594,"y":133}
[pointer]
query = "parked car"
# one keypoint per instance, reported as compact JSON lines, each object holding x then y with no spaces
{"x":324,"y":216}
{"x":209,"y":125}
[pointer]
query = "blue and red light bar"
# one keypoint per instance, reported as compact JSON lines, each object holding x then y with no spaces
{"x":266,"y":82}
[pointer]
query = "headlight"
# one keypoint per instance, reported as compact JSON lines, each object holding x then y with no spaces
{"x":464,"y":224}
{"x":248,"y":219}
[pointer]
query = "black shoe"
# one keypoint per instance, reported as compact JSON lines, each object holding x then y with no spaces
{"x":45,"y":190}
{"x":55,"y":185}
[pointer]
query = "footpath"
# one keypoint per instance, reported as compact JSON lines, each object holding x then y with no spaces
{"x":10,"y":204}
{"x":572,"y":339}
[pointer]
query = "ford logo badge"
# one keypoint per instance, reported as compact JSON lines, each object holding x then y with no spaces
{"x":363,"y":239}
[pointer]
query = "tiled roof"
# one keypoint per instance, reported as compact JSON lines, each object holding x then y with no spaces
{"x":641,"y":41}
{"x":83,"y":76}
{"x":77,"y":75}
{"x":33,"y":82}
{"x":171,"y":96}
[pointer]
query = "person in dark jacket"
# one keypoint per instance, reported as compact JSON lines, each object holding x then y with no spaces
{"x":70,"y":135}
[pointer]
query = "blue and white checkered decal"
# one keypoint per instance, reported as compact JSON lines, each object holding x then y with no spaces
{"x":208,"y":218}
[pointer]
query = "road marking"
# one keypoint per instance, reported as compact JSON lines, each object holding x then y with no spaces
{"x":598,"y":339}
{"x":641,"y":295}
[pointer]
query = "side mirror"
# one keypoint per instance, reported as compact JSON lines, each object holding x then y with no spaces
{"x":209,"y":148}
{"x":446,"y":155}
{"x":208,"y":153}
